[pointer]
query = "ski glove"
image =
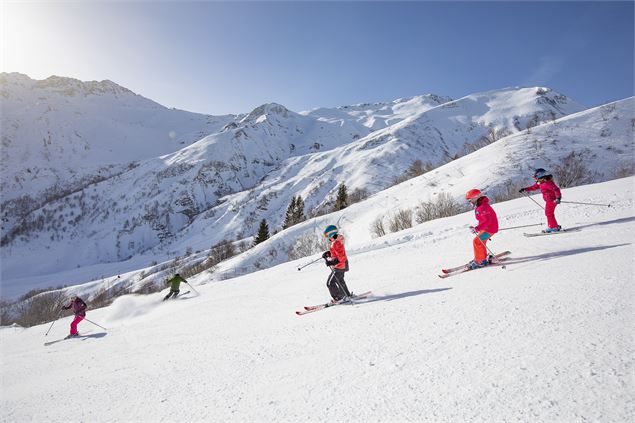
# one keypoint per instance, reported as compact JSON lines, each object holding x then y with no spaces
{"x":473,"y":230}
{"x":332,"y":262}
{"x":326,"y":254}
{"x":521,"y":190}
{"x":558,"y":200}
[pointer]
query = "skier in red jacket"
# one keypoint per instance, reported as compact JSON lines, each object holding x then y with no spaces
{"x":486,"y":228}
{"x":338,"y":262}
{"x":79,"y":308}
{"x":551,"y":195}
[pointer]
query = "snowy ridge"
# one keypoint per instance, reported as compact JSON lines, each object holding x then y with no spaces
{"x":605,"y":133}
{"x":61,"y":133}
{"x":221,"y":186}
{"x":548,"y":339}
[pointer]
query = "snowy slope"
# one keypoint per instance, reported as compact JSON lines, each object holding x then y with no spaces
{"x":604,"y":133}
{"x":548,"y":339}
{"x":221,"y":186}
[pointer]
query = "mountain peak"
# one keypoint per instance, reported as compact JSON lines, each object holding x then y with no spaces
{"x":267,"y":110}
{"x":72,"y":86}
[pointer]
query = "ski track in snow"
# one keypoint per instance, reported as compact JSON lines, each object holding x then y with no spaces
{"x":548,"y":339}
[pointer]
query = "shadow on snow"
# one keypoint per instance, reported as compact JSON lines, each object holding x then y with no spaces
{"x":403,"y":295}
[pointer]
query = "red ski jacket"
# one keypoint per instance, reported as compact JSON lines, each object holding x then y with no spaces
{"x":486,"y":216}
{"x":338,"y":252}
{"x":549,"y":190}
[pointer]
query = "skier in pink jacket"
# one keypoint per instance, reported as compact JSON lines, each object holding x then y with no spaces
{"x":551,"y":195}
{"x":486,"y":228}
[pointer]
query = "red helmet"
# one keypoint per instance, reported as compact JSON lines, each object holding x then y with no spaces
{"x":473,"y":195}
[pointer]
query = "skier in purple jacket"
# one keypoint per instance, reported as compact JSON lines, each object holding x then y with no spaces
{"x":79,"y":308}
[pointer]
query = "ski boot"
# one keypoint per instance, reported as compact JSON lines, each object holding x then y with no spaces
{"x":552,"y":230}
{"x":472,"y":265}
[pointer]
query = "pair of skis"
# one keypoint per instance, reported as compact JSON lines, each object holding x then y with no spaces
{"x":561,"y":231}
{"x":349,"y":301}
{"x":83,"y":337}
{"x":498,"y":259}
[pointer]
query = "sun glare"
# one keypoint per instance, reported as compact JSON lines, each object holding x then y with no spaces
{"x":31,"y":42}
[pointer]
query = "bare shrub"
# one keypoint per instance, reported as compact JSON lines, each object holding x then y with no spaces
{"x":572,"y":170}
{"x":491,"y":136}
{"x":222,"y":251}
{"x":149,"y":287}
{"x":6,"y":316}
{"x":307,"y":244}
{"x":444,"y":206}
{"x":624,"y":169}
{"x":377,"y":228}
{"x":106,"y":296}
{"x":39,"y":309}
{"x":359,"y":194}
{"x":507,"y":191}
{"x":402,"y":219}
{"x":416,"y":168}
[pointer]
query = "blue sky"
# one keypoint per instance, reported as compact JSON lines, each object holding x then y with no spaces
{"x":229,"y":57}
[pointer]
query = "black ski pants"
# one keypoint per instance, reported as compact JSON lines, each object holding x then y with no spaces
{"x":175,"y":293}
{"x":337,"y":286}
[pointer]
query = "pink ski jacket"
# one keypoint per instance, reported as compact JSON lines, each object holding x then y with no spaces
{"x":549,"y":190}
{"x":486,"y":216}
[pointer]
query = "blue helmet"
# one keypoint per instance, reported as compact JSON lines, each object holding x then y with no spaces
{"x":330,"y":231}
{"x":540,"y":173}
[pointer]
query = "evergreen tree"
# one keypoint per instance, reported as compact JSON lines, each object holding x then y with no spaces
{"x":341,"y":202}
{"x":298,"y":213}
{"x":295,"y":213}
{"x":289,"y":216}
{"x":263,"y":232}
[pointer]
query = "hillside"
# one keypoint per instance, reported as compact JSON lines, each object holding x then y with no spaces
{"x":547,"y":339}
{"x":222,"y":185}
{"x":602,"y":136}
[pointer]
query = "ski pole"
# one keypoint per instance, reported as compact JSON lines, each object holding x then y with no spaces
{"x":95,"y":324}
{"x":586,"y":204}
{"x":188,"y":284}
{"x":490,"y":251}
{"x":302,"y":267}
{"x":52,"y":323}
{"x":528,"y":196}
{"x":522,"y":226}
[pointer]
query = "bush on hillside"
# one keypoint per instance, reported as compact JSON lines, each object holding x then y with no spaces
{"x":377,"y":228}
{"x":41,"y":308}
{"x":624,"y":169}
{"x":573,"y":171}
{"x":507,"y":191}
{"x":444,"y":206}
{"x":402,"y":219}
{"x":306,"y":245}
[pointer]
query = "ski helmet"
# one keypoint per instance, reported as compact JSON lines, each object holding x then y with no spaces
{"x":473,"y":195}
{"x":540,"y":173}
{"x":330,"y":231}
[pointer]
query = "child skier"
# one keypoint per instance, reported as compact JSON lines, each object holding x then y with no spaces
{"x":486,"y":228}
{"x":551,"y":195}
{"x":174,"y":283}
{"x":338,"y":262}
{"x":79,"y":308}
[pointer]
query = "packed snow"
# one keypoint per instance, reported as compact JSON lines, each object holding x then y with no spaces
{"x":549,"y":338}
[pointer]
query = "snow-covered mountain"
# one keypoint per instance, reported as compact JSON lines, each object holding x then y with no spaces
{"x":61,"y":134}
{"x":547,"y":339}
{"x":603,"y":137}
{"x":220,"y":186}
